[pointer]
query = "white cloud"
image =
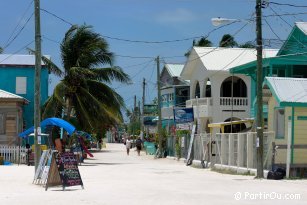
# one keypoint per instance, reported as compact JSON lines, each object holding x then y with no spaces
{"x":176,"y":16}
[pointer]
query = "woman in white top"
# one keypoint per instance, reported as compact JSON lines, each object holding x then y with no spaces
{"x":128,"y":145}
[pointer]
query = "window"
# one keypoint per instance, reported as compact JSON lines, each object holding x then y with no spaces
{"x":171,"y":97}
{"x":2,"y":120}
{"x":21,"y":85}
{"x":164,"y":98}
{"x":280,"y":123}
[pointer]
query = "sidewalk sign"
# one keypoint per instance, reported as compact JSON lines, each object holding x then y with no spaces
{"x":42,"y":163}
{"x":189,"y":159}
{"x":64,"y":171}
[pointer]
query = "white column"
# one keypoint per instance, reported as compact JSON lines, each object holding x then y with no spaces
{"x":250,"y":150}
{"x":289,"y":149}
{"x":241,"y":150}
{"x":223,"y":149}
{"x":231,"y":150}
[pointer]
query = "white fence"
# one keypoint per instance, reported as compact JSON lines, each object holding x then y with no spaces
{"x":239,"y":149}
{"x":233,"y":149}
{"x":13,"y":154}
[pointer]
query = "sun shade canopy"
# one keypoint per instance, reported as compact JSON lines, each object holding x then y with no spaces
{"x":51,"y":121}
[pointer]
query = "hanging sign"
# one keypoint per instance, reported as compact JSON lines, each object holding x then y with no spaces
{"x":183,"y":115}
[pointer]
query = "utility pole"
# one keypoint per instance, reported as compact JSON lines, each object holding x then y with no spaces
{"x":133,"y":117}
{"x":139,"y":112}
{"x":143,"y":103}
{"x":259,"y":141}
{"x":159,"y":125}
{"x":37,"y":92}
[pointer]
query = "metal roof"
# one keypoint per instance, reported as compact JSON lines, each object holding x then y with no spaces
{"x":13,"y":59}
{"x":302,"y":26}
{"x":288,"y":91}
{"x":174,"y":69}
{"x":220,"y":58}
{"x":4,"y":95}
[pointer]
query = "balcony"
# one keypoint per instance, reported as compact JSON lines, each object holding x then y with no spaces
{"x":234,"y":102}
{"x":167,"y":113}
{"x":202,"y":106}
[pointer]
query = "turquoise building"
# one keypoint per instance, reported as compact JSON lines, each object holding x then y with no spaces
{"x":174,"y":92}
{"x":290,"y":61}
{"x":17,"y":76}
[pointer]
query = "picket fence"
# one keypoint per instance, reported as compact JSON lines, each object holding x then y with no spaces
{"x":14,"y":154}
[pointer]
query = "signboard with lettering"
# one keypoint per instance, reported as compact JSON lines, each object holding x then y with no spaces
{"x":64,"y":171}
{"x":183,"y":115}
{"x":68,"y":169}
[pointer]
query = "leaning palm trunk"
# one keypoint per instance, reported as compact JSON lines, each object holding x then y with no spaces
{"x":89,"y":102}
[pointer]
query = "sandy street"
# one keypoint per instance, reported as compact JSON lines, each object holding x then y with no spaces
{"x":113,"y":178}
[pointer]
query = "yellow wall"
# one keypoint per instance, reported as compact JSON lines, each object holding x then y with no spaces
{"x":300,"y":136}
{"x":300,"y":132}
{"x":281,"y":154}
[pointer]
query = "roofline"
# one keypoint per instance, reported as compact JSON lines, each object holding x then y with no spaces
{"x":269,"y":61}
{"x":282,"y":103}
{"x":23,"y":100}
{"x":288,"y":38}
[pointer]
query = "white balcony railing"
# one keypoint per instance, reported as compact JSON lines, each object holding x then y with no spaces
{"x":198,"y":102}
{"x":236,"y":101}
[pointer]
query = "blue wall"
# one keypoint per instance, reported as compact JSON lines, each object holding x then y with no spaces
{"x":8,"y":83}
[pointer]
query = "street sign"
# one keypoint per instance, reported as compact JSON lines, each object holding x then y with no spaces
{"x":183,"y":115}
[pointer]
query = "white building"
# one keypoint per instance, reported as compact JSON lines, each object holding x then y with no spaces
{"x":174,"y":92}
{"x":216,"y":94}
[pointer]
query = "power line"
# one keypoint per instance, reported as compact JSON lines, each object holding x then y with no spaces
{"x":288,"y":25}
{"x":286,"y":4}
{"x":18,"y":33}
{"x":24,"y":47}
{"x":272,"y":29}
{"x":199,"y":57}
{"x":22,"y":17}
{"x":285,"y":14}
{"x":118,"y":55}
{"x":126,"y":56}
{"x":146,"y":41}
{"x":56,"y":16}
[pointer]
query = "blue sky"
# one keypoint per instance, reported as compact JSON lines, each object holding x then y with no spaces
{"x":145,"y":20}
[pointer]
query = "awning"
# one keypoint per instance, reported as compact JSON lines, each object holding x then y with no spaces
{"x":51,"y":121}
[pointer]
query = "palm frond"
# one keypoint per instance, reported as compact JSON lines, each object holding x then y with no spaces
{"x":52,"y":67}
{"x":59,"y":92}
{"x":112,"y":73}
{"x":105,"y":94}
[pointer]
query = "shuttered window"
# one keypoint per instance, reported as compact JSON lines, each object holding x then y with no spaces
{"x":280,"y":123}
{"x":2,"y":120}
{"x":21,"y":85}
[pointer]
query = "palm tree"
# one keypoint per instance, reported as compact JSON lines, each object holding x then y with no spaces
{"x":1,"y":50}
{"x":228,"y":41}
{"x":248,"y":44}
{"x":202,"y":42}
{"x":84,"y":92}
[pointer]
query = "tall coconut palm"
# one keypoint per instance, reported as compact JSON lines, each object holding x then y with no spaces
{"x":84,"y":93}
{"x":202,"y":42}
{"x":228,"y":41}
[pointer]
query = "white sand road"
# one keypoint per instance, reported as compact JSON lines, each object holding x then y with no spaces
{"x":111,"y":177}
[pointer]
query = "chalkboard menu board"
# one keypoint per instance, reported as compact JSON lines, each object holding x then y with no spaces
{"x":68,"y":169}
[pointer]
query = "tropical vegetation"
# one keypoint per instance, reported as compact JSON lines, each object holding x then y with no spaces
{"x":84,"y":94}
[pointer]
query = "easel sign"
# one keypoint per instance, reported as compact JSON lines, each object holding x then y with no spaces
{"x":189,"y":159}
{"x":64,"y":171}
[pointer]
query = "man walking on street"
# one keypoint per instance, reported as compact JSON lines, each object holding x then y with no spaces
{"x":128,"y":145}
{"x":138,"y":144}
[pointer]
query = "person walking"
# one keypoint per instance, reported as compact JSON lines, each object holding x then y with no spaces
{"x":138,"y":144}
{"x":128,"y":145}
